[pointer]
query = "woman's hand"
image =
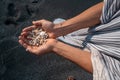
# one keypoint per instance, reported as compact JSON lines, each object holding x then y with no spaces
{"x":45,"y":25}
{"x":38,"y":50}
{"x":47,"y":47}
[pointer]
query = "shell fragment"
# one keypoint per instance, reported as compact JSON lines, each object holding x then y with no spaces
{"x":37,"y":37}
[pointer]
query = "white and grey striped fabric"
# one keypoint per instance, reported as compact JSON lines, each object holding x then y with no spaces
{"x":103,"y":41}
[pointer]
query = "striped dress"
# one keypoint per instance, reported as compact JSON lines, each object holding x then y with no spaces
{"x":103,"y":41}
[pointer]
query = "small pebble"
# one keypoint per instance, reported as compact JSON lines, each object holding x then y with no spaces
{"x":37,"y":37}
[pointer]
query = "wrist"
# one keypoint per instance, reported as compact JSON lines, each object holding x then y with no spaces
{"x":57,"y":29}
{"x":58,"y":48}
{"x":55,"y":46}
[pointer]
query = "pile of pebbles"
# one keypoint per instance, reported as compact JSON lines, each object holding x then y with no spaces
{"x":37,"y":37}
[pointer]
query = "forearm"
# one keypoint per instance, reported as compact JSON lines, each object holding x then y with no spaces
{"x":88,"y":18}
{"x":78,"y":56}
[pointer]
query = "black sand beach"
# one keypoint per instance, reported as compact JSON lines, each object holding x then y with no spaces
{"x":15,"y":62}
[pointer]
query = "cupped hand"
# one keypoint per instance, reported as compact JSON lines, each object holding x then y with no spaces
{"x":38,"y":50}
{"x":45,"y":25}
{"x":46,"y":47}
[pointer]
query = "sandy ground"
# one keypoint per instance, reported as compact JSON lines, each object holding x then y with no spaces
{"x":15,"y":62}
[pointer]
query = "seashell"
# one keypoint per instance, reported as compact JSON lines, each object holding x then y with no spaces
{"x":37,"y":37}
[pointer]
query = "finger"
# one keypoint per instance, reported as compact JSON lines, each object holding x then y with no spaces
{"x":25,"y":45}
{"x":39,"y":22}
{"x":19,"y":37}
{"x":29,"y":28}
{"x":30,"y":49}
{"x":24,"y":34}
{"x":23,"y":39}
{"x":21,"y":42}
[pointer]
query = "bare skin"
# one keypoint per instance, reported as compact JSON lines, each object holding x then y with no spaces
{"x":86,"y":19}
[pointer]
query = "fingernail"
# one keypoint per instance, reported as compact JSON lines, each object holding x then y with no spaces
{"x":26,"y":49}
{"x":33,"y":21}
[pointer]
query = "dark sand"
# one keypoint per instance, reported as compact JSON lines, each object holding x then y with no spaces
{"x":15,"y":62}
